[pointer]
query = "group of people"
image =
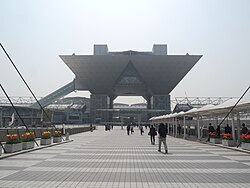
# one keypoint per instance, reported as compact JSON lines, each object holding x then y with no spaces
{"x":227,"y":130}
{"x":130,"y":129}
{"x":162,"y":134}
{"x":108,"y":127}
{"x":162,"y":131}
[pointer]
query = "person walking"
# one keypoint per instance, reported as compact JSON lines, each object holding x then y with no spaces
{"x":218,"y":131}
{"x":210,"y":130}
{"x":132,"y":129}
{"x":91,"y":127}
{"x":152,"y":133}
{"x":128,"y":129}
{"x":179,"y":129}
{"x":162,"y":137}
{"x":141,"y":129}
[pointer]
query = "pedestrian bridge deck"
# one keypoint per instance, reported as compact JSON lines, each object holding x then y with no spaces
{"x":112,"y":159}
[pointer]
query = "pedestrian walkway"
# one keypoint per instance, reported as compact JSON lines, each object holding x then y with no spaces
{"x":113,"y":159}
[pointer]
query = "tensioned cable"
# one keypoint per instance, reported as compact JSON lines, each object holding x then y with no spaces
{"x":16,"y":111}
{"x":29,"y":88}
{"x":234,"y":105}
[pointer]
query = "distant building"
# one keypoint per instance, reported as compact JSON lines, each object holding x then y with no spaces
{"x":30,"y":117}
{"x":139,"y":105}
{"x":70,"y":110}
{"x":121,"y":105}
{"x":152,"y":75}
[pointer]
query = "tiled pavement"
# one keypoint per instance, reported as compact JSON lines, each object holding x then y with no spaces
{"x":113,"y":159}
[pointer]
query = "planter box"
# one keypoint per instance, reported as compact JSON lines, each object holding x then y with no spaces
{"x":57,"y":139}
{"x":10,"y":148}
{"x":45,"y":141}
{"x":230,"y":143}
{"x":28,"y":145}
{"x":215,"y":140}
{"x":245,"y":146}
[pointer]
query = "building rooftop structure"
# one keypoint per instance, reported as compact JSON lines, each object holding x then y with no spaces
{"x":107,"y":75}
{"x":76,"y":103}
{"x":112,"y":72}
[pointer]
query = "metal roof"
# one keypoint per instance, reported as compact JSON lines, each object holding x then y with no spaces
{"x":221,"y":109}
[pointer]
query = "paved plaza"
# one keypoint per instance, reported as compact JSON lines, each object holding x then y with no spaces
{"x":112,"y":159}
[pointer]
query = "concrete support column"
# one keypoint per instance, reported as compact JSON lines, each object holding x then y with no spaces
{"x":168,"y":128}
{"x":176,"y":132}
{"x":98,"y":102}
{"x":139,"y":119}
{"x":148,"y":99}
{"x":201,"y":126}
{"x":238,"y":128}
{"x":52,"y":116}
{"x":233,"y":128}
{"x":111,"y":106}
{"x":173,"y":127}
{"x":198,"y":128}
{"x":67,"y":116}
{"x":111,"y":103}
{"x":149,"y":103}
{"x":184,"y":127}
{"x":216,"y":121}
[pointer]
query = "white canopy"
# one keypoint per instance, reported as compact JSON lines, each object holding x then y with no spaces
{"x":242,"y":106}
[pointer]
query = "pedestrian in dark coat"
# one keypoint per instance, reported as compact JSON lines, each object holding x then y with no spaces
{"x":128,"y":129}
{"x":132,"y":129}
{"x":228,"y":130}
{"x":152,"y":133}
{"x":210,"y":130}
{"x":218,"y":131}
{"x":244,"y":129}
{"x":162,"y":137}
{"x":141,"y":129}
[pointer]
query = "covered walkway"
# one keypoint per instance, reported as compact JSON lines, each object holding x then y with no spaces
{"x":197,"y":120}
{"x":113,"y":159}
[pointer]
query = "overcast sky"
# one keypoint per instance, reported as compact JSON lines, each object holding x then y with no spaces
{"x":35,"y":32}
